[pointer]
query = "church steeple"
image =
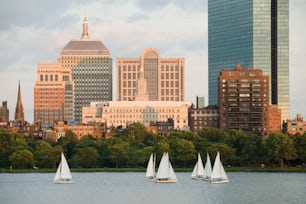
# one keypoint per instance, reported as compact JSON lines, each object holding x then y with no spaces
{"x":19,"y":114}
{"x":85,"y":34}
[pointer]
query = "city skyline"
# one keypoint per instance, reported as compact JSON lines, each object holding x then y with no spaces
{"x":36,"y":32}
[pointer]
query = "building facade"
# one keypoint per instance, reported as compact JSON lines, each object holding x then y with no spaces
{"x":165,"y":77}
{"x":4,"y":113}
{"x":253,"y":34}
{"x":244,"y":100}
{"x":296,"y":126}
{"x":275,"y":121}
{"x":203,"y":117}
{"x":53,"y":94}
{"x":91,"y":66}
{"x":123,"y":113}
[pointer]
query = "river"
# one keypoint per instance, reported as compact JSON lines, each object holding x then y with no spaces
{"x":133,"y":188}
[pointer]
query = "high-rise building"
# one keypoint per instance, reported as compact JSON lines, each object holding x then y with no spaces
{"x":53,"y":94}
{"x":19,"y":113}
{"x":244,"y":100}
{"x":254,"y":34}
{"x":164,"y":77}
{"x":91,"y":66}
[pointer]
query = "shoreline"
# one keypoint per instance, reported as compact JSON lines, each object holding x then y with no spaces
{"x":121,"y":170}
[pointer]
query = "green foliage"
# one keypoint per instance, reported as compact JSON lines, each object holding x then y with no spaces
{"x":9,"y":143}
{"x":132,"y":147}
{"x":280,"y":146}
{"x":87,"y":157}
{"x":22,"y":159}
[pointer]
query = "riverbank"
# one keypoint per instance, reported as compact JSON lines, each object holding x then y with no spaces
{"x":230,"y":169}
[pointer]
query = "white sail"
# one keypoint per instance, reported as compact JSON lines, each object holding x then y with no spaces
{"x":150,"y":173}
{"x":165,"y":172}
{"x":218,"y":174}
{"x":207,"y":169}
{"x":198,"y":170}
{"x":163,"y":168}
{"x":63,"y":174}
{"x":195,"y":170}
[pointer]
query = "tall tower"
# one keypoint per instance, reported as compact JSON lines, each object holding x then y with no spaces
{"x":19,"y":114}
{"x":91,"y":66}
{"x":253,"y":34}
{"x":53,"y":94}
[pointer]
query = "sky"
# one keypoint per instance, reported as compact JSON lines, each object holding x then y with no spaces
{"x":36,"y":31}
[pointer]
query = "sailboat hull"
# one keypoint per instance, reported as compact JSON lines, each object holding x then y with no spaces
{"x":63,"y":181}
{"x":166,"y":180}
{"x":197,"y":178}
{"x":218,"y":181}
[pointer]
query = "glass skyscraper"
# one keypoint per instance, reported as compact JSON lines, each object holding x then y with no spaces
{"x":252,"y":33}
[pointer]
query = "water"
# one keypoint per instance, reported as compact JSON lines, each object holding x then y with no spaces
{"x":132,"y":188}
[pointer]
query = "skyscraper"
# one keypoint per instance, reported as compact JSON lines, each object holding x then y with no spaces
{"x":91,"y":66}
{"x":19,"y":113}
{"x":252,"y":33}
{"x":53,"y":94}
{"x":164,"y":77}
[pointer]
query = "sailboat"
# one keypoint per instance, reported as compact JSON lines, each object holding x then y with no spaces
{"x":218,"y":174}
{"x":63,"y":174}
{"x":207,"y":169}
{"x":150,"y":173}
{"x":165,"y":172}
{"x":198,"y":170}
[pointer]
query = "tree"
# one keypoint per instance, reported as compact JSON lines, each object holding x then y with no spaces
{"x":300,"y":146}
{"x":227,"y":152}
{"x":87,"y":157}
{"x":22,"y":159}
{"x":46,"y":155}
{"x":119,"y":153}
{"x":9,"y":143}
{"x":183,"y":150}
{"x":280,"y":146}
{"x":212,"y":134}
{"x":69,"y":143}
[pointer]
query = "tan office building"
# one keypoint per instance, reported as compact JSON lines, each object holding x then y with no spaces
{"x":53,"y":94}
{"x":165,"y":77}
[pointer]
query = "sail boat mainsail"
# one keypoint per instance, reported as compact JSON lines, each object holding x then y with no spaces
{"x":63,"y":174}
{"x":207,"y":169}
{"x":150,"y":173}
{"x":198,"y":170}
{"x":218,"y":174}
{"x":165,"y":172}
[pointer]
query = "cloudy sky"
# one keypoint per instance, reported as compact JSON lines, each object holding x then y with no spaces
{"x":35,"y":31}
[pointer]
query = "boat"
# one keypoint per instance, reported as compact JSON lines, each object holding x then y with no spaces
{"x":218,"y":175}
{"x":150,"y":173}
{"x":165,"y":172}
{"x":198,"y":170}
{"x":207,"y":169}
{"x":63,"y":174}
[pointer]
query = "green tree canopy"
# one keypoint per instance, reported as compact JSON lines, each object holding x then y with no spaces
{"x":280,"y":146}
{"x":22,"y":159}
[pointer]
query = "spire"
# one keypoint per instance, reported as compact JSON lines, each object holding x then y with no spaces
{"x":85,"y":29}
{"x":19,"y":114}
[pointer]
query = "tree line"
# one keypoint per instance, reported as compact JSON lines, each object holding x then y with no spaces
{"x":132,"y":147}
